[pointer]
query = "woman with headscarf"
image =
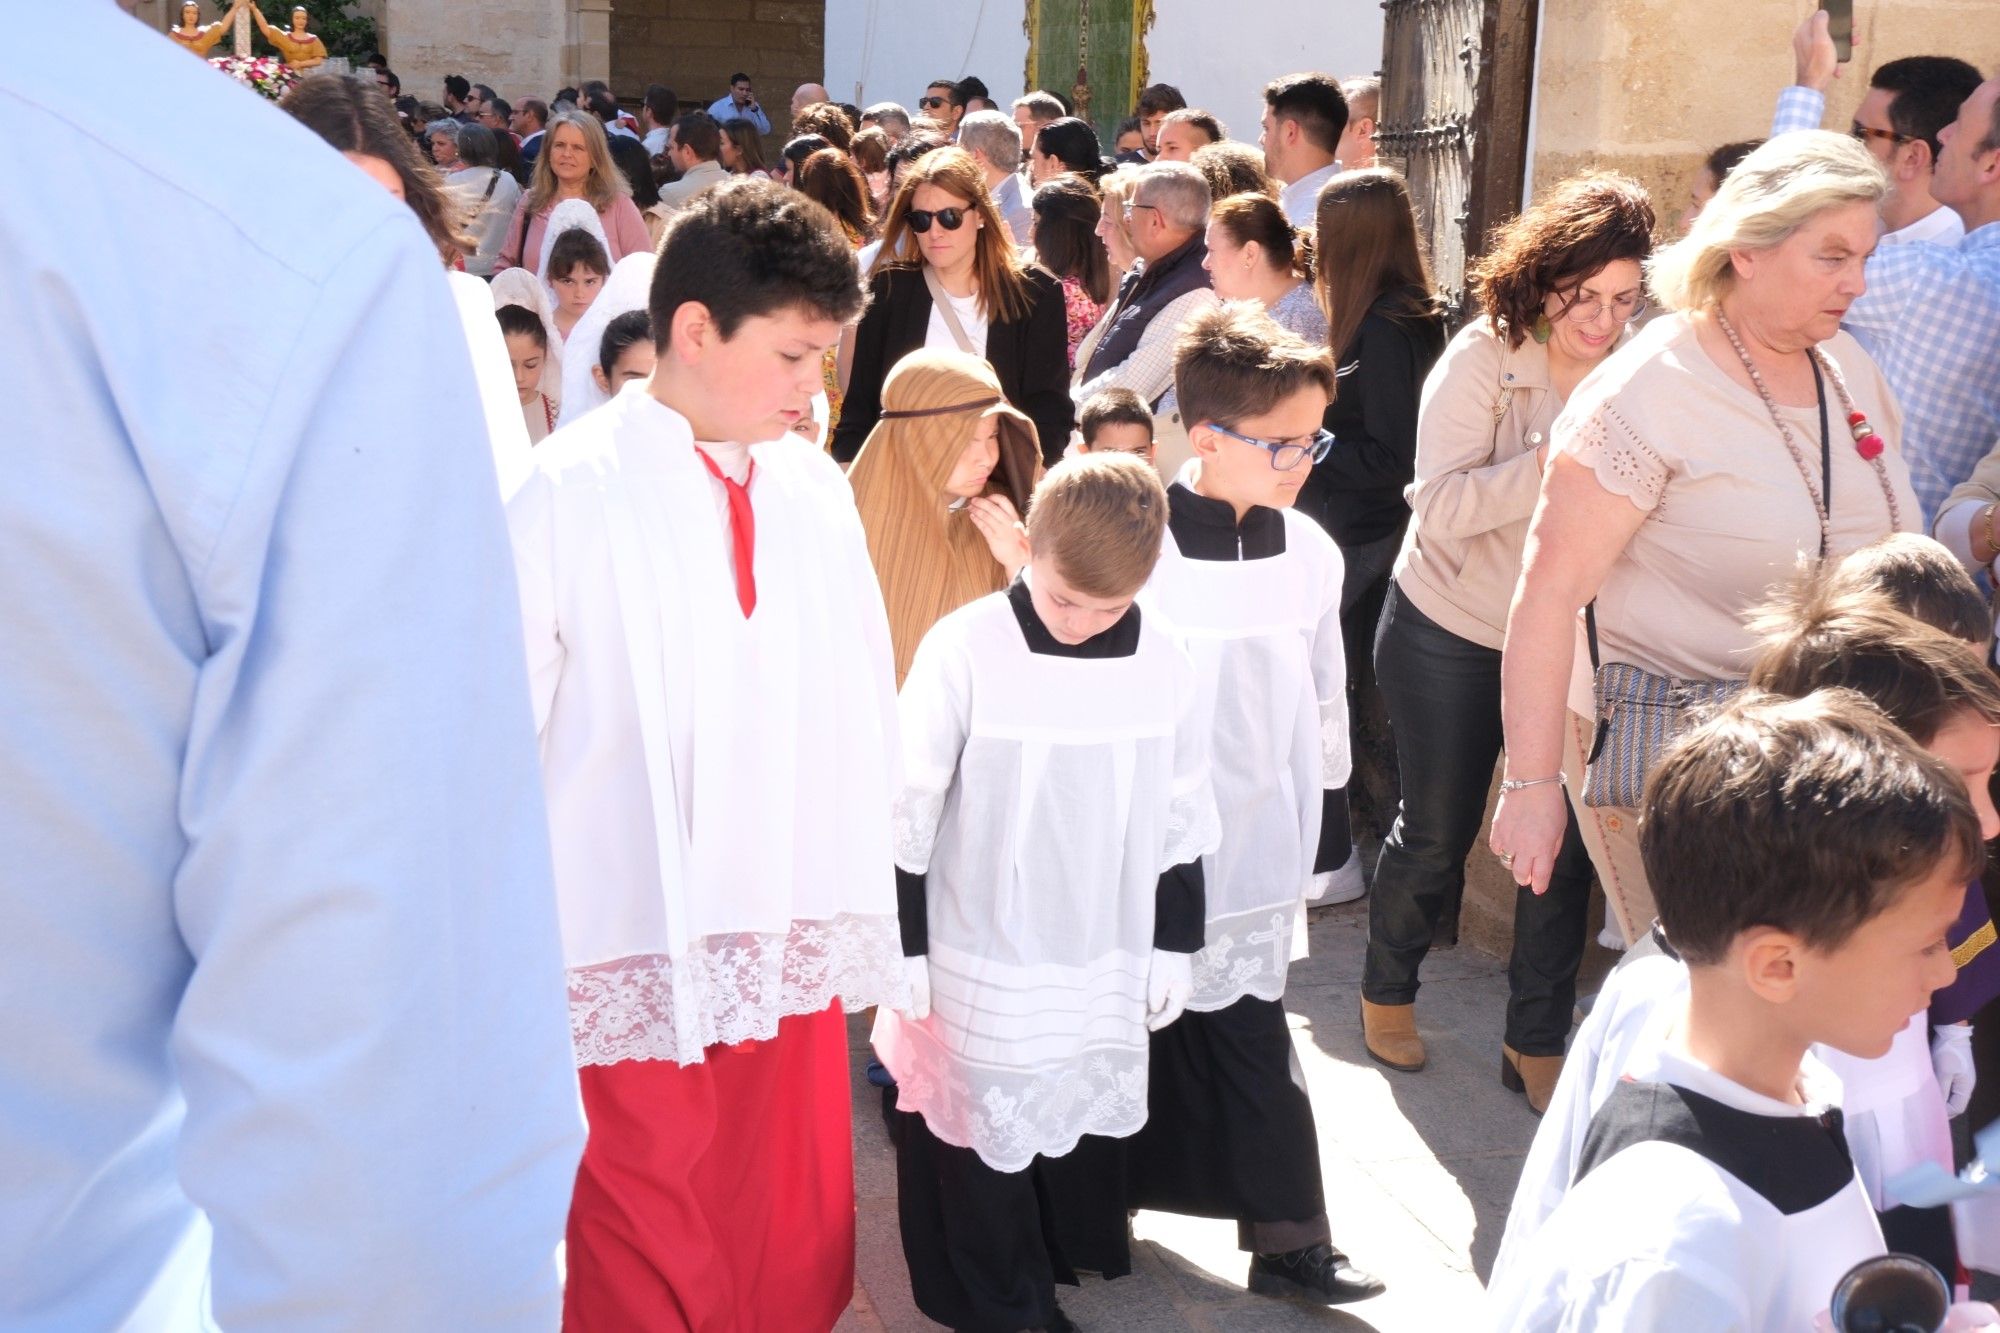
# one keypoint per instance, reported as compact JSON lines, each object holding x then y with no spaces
{"x":942,"y":482}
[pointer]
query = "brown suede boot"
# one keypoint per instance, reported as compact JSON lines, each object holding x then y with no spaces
{"x":1534,"y":1075}
{"x":1390,"y":1033}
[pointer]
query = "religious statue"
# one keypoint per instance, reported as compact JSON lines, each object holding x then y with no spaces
{"x":198,"y":37}
{"x":300,"y":49}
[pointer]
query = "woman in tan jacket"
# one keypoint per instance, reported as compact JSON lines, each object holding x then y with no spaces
{"x":1558,"y":290}
{"x":942,"y":484}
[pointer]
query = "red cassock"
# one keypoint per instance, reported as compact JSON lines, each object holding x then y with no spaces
{"x":717,"y":1197}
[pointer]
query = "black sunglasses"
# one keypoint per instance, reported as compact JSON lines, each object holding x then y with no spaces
{"x":951,"y":219}
{"x":932,"y":103}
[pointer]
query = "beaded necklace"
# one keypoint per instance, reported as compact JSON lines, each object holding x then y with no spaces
{"x":1866,"y":442}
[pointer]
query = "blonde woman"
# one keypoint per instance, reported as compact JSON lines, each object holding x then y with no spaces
{"x":942,"y":484}
{"x":949,"y":277}
{"x":575,"y":163}
{"x":1694,"y":471}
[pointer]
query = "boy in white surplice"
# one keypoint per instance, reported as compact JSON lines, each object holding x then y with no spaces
{"x":712,"y":682}
{"x":1048,"y":841}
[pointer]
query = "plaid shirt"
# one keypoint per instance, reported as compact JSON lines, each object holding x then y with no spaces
{"x":1931,"y":317}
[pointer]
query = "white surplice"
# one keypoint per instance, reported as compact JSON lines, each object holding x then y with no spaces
{"x":1265,"y":637}
{"x":719,"y":787}
{"x":1044,"y":798}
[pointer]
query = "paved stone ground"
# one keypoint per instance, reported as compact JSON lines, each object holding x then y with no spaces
{"x":1419,"y":1170}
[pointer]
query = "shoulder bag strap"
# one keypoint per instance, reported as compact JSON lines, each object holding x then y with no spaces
{"x":491,"y":182}
{"x":942,"y":301}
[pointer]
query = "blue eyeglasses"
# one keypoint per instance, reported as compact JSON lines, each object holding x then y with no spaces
{"x":1284,"y":455}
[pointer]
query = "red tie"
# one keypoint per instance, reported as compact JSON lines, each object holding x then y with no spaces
{"x":742,"y":530}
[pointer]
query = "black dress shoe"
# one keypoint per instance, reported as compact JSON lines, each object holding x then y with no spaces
{"x":1318,"y":1273}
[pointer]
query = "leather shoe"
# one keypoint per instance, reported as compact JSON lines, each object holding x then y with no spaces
{"x":1389,"y":1031}
{"x":1534,"y":1075}
{"x":1318,"y":1272}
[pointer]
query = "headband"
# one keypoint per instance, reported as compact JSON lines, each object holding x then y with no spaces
{"x":974,"y":406}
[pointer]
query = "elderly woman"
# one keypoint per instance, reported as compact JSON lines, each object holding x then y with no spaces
{"x":1556,"y":291}
{"x":488,"y":193}
{"x":950,"y":277}
{"x":1729,"y":442}
{"x":574,"y":163}
{"x":1116,"y":189}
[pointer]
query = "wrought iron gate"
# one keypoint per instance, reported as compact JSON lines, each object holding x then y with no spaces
{"x":1455,"y":86}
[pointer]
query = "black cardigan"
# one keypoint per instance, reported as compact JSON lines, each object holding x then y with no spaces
{"x":1356,"y":492}
{"x":1030,"y":357}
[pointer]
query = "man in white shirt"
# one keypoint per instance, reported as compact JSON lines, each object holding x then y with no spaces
{"x":693,"y":145}
{"x":740,"y":103}
{"x":995,"y":144}
{"x":1304,"y":117}
{"x":278,"y":946}
{"x":1908,"y":102}
{"x":656,"y":116}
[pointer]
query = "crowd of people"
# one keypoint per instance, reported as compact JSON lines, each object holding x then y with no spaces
{"x":934,"y":564}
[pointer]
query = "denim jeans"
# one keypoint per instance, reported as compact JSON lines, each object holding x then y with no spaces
{"x":1444,"y":703}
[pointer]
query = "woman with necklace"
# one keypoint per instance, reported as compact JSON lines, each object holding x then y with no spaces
{"x":1696,"y":469}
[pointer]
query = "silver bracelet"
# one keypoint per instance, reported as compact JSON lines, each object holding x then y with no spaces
{"x":1518,"y":784}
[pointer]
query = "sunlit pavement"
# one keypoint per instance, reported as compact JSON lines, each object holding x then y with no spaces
{"x":1419,"y":1169}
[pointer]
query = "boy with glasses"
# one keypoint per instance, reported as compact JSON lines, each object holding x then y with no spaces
{"x":1255,"y":588}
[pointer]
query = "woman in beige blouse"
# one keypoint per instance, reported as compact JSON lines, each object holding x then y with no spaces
{"x":1687,"y":479}
{"x":1558,"y":289}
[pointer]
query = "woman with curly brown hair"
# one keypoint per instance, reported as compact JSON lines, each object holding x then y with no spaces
{"x":1557,"y":288}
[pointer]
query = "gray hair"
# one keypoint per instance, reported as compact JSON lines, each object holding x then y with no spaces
{"x":446,"y":125}
{"x":477,"y":147}
{"x":1179,"y":191}
{"x":888,"y":111}
{"x":1770,"y":195}
{"x":993,"y":134}
{"x":1042,"y":107}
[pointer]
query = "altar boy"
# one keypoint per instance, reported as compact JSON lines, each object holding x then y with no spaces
{"x":1807,"y":857}
{"x":1048,"y":849}
{"x":712,"y":681}
{"x":1255,"y":588}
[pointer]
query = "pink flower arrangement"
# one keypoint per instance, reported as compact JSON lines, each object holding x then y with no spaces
{"x":268,"y":75}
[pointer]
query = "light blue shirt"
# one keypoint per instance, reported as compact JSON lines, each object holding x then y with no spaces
{"x":1931,"y":320}
{"x":283,"y":1039}
{"x":724,"y":109}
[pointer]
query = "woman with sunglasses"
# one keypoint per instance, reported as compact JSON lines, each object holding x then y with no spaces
{"x":950,"y":277}
{"x":1558,"y":288}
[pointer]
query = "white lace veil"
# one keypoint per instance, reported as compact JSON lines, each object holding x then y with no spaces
{"x":630,"y":283}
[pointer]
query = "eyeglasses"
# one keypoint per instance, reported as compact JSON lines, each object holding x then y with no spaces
{"x":920,"y":219}
{"x":1285,"y":454}
{"x":932,"y":103}
{"x":1624,"y":309}
{"x":1866,"y":132}
{"x":1133,"y":208}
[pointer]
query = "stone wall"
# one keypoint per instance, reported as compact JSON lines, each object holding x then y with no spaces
{"x":1649,"y":86}
{"x":693,"y":46}
{"x":520,"y":47}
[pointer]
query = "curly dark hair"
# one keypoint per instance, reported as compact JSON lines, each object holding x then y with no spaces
{"x":751,"y":247}
{"x":355,"y":116}
{"x":1583,"y":224}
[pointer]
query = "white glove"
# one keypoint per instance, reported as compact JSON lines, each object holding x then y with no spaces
{"x":1169,"y":985}
{"x":917,"y":971}
{"x":1951,"y":1057}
